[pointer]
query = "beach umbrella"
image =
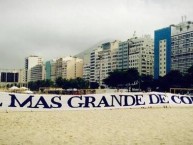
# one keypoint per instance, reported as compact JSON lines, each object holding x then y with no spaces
{"x":28,"y":92}
{"x":59,"y":89}
{"x":24,"y":88}
{"x":14,"y":88}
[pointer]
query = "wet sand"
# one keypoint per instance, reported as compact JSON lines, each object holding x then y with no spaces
{"x":171,"y":126}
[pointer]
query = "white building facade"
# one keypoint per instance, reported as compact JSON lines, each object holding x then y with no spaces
{"x":94,"y":66}
{"x":162,"y":57}
{"x":31,"y":64}
{"x":37,"y":73}
{"x":122,"y":56}
{"x":102,"y":61}
{"x":69,"y":67}
{"x":141,"y":54}
{"x":182,"y":46}
{"x":86,"y":72}
{"x":86,"y":66}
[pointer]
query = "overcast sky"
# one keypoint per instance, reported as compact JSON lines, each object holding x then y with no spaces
{"x":58,"y":28}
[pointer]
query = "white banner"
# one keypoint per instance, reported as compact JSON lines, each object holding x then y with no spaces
{"x":43,"y":102}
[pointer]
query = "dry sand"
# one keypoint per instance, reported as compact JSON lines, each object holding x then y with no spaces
{"x":98,"y":127}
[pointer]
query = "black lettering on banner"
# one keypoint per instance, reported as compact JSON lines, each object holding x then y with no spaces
{"x":186,"y":100}
{"x":163,"y":99}
{"x":28,"y":102}
{"x":96,"y":101}
{"x":103,"y":101}
{"x":43,"y":102}
{"x":176,"y":99}
{"x":154,"y":99}
{"x":59,"y":105}
{"x":118,"y":101}
{"x":14,"y":100}
{"x":70,"y":102}
{"x":139,"y":100}
{"x":127,"y":100}
{"x":89,"y":100}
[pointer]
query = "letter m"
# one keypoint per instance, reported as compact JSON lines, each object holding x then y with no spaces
{"x":14,"y":100}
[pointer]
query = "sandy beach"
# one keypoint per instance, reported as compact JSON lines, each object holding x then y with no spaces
{"x":98,"y":127}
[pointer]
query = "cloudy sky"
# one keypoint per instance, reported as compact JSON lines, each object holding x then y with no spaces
{"x":58,"y":28}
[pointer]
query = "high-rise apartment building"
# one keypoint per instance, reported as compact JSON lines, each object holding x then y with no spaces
{"x":69,"y":67}
{"x":122,"y":56}
{"x":37,"y":73}
{"x":86,"y":72}
{"x":86,"y":66}
{"x":30,"y":62}
{"x":94,"y":66}
{"x":50,"y":68}
{"x":182,"y":46}
{"x":141,"y":54}
{"x":136,"y":53}
{"x":162,"y":52}
{"x":173,"y":48}
{"x":102,"y":61}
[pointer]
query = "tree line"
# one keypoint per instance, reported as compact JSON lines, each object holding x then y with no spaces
{"x":129,"y":79}
{"x":132,"y":79}
{"x":77,"y":83}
